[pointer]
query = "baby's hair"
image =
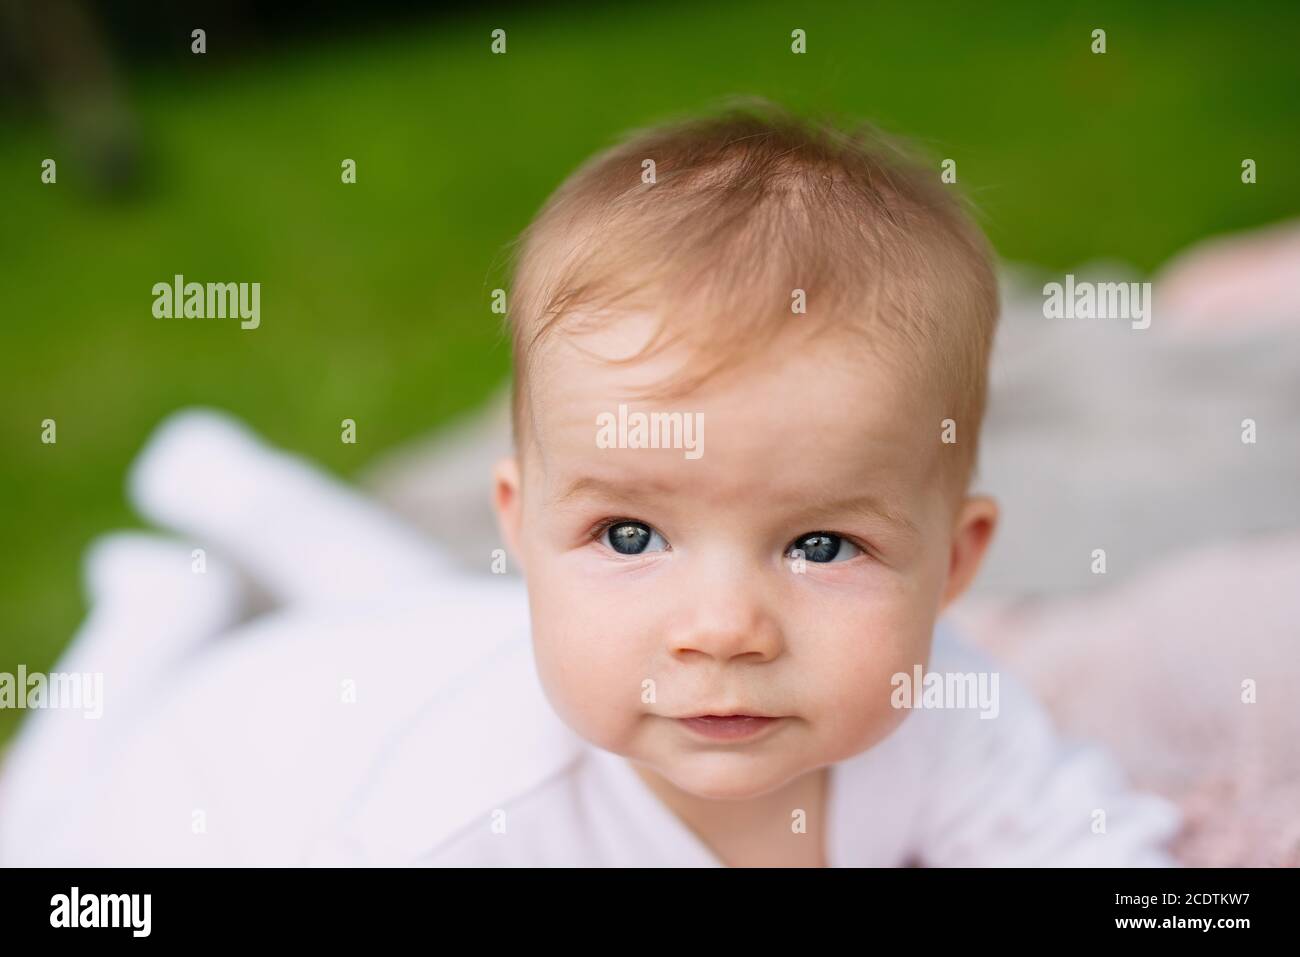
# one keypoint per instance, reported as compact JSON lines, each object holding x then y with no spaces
{"x":714,"y":222}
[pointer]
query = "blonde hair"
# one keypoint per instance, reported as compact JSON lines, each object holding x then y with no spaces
{"x":746,"y":205}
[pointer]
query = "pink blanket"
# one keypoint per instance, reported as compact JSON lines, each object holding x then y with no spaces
{"x":1162,"y":669}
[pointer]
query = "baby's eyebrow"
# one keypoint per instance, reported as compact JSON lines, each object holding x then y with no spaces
{"x":869,"y":506}
{"x":590,"y":486}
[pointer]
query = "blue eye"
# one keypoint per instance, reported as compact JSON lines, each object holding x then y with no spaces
{"x":633,"y":538}
{"x":823,"y":547}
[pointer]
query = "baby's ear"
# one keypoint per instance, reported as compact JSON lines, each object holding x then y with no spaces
{"x":507,"y":499}
{"x":972,"y":532}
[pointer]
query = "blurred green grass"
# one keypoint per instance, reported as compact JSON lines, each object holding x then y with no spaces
{"x":375,"y":296}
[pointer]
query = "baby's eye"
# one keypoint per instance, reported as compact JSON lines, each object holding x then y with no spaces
{"x":824,"y":547}
{"x":633,"y":538}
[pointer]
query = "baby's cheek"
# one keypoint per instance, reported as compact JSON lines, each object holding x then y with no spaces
{"x":586,"y":659}
{"x":857,"y":673}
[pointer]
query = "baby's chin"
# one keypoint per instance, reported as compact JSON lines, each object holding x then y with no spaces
{"x":729,"y":775}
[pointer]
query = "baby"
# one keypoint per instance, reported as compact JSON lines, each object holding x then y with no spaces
{"x":731,"y":621}
{"x":728,"y":638}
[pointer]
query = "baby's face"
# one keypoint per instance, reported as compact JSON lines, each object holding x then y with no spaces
{"x":664,"y":586}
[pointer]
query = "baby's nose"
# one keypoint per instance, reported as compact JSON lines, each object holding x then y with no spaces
{"x":727,"y":627}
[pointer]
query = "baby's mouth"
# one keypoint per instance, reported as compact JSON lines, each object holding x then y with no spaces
{"x":729,"y":727}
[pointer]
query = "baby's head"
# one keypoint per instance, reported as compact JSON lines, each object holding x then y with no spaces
{"x":826,"y":308}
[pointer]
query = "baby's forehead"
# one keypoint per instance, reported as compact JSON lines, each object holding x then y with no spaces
{"x":808,"y":410}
